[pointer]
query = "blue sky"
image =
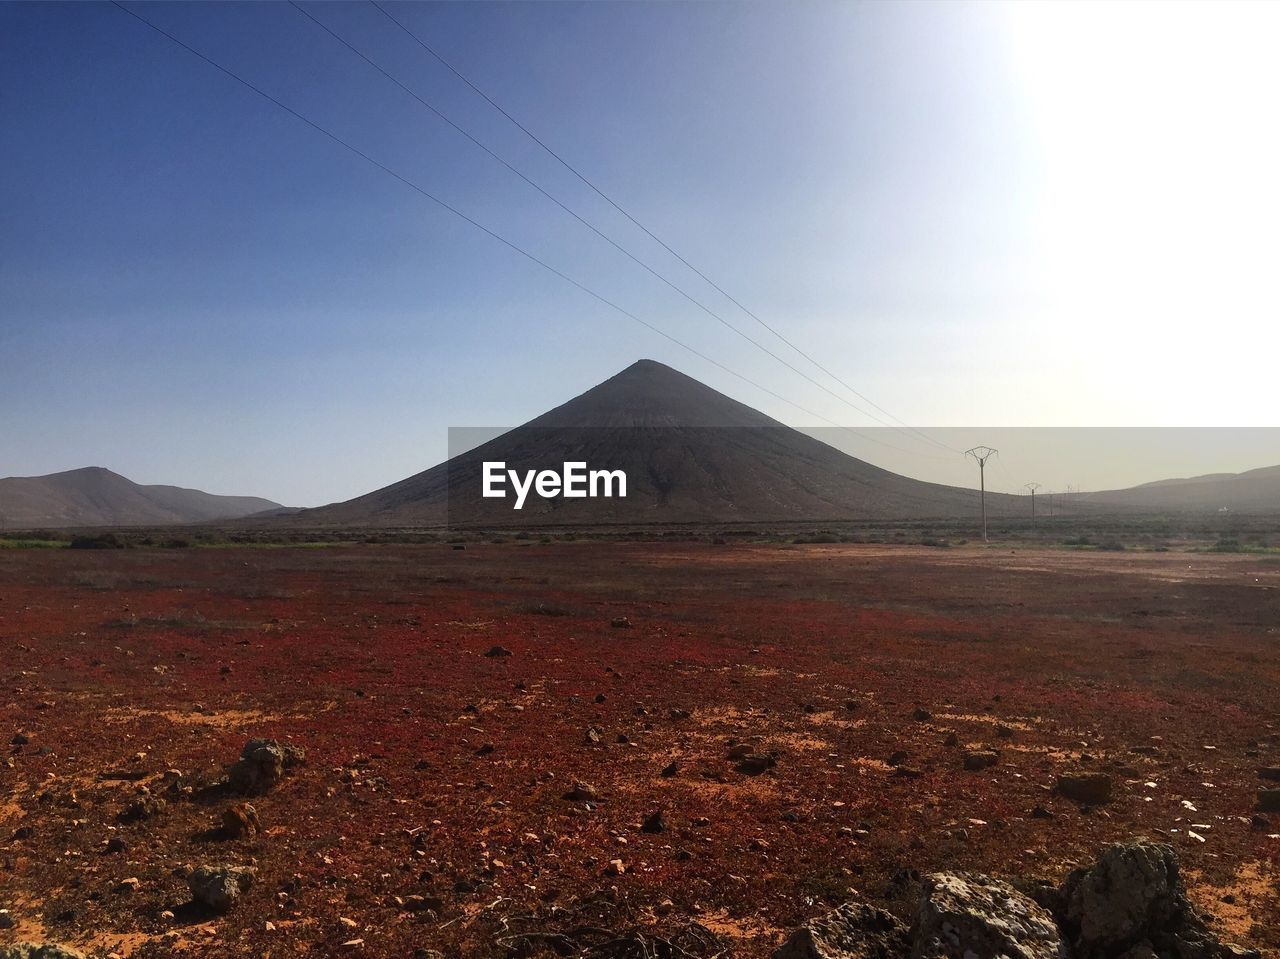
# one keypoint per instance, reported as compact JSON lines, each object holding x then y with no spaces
{"x":937,"y":200}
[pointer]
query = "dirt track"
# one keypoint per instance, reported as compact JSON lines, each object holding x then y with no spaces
{"x":122,"y":664}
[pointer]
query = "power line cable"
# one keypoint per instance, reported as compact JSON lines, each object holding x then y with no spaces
{"x":582,"y":220}
{"x":484,"y":229}
{"x":657,"y":239}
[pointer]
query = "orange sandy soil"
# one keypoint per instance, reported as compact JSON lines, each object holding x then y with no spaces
{"x":119,"y":665}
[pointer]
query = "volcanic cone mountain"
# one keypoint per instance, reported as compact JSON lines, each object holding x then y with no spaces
{"x":690,"y":454}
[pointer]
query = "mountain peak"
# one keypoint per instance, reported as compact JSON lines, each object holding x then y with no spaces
{"x":650,"y":394}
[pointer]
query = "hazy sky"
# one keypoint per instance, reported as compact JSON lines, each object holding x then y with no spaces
{"x":1010,"y":215}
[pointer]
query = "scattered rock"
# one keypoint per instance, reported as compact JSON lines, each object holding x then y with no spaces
{"x":921,"y":715}
{"x":670,"y":769}
{"x":1091,"y":789}
{"x":1269,"y":800}
{"x":496,"y":651}
{"x":621,"y":622}
{"x":1269,"y":773}
{"x":218,"y":887}
{"x":853,"y":931}
{"x":1130,"y":904}
{"x":115,"y":844}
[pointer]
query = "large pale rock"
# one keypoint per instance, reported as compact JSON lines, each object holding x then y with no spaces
{"x":963,"y":916}
{"x":853,"y":931}
{"x":34,"y":950}
{"x":1131,"y":891}
{"x":1132,"y":903}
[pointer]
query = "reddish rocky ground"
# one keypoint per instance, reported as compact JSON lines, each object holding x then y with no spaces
{"x":120,"y":665}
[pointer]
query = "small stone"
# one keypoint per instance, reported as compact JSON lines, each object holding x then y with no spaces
{"x":582,"y":792}
{"x":240,"y":821}
{"x":976,"y":759}
{"x":1269,"y":800}
{"x":497,"y":651}
{"x":653,"y":823}
{"x":1090,"y":789}
{"x":921,"y":715}
{"x":218,"y":887}
{"x":142,"y":808}
{"x":755,"y":764}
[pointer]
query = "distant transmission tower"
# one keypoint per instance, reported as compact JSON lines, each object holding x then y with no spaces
{"x":982,"y":454}
{"x":1033,"y":487}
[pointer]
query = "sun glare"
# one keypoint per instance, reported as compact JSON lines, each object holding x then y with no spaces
{"x":1157,"y":137}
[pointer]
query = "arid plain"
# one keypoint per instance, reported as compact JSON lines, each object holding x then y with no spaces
{"x":480,"y":804}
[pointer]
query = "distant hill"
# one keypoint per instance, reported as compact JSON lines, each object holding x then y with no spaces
{"x":1255,"y":491}
{"x":94,"y":496}
{"x":691,"y":454}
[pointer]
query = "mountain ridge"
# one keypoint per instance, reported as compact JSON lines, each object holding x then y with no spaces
{"x":96,"y":496}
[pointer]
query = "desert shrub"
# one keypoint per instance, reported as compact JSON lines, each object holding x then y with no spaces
{"x":1227,"y":545}
{"x":823,"y":538}
{"x":101,"y":541}
{"x":543,"y":609}
{"x":176,"y":542}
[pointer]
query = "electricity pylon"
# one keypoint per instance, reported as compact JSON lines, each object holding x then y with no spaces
{"x":1033,"y":487}
{"x":982,"y":454}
